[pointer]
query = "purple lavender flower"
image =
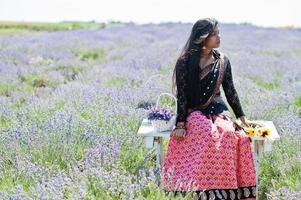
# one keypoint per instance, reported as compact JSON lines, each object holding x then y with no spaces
{"x":159,"y":113}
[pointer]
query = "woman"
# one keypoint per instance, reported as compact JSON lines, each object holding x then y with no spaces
{"x":207,"y":152}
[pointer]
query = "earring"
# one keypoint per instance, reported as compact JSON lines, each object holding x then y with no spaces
{"x":204,"y":47}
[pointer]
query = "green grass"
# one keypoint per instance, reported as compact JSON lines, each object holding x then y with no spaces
{"x":36,"y":80}
{"x":135,"y":83}
{"x":85,"y":115}
{"x":297,"y":101}
{"x":153,"y":192}
{"x":270,"y":112}
{"x":55,"y":153}
{"x":167,"y":101}
{"x":9,"y":27}
{"x":131,"y":158}
{"x":10,"y":31}
{"x":6,"y":123}
{"x":95,"y":191}
{"x":10,"y":178}
{"x":59,"y":105}
{"x":51,"y":154}
{"x":69,"y":71}
{"x":264,"y":84}
{"x":117,"y":81}
{"x":165,"y":70}
{"x":92,"y":54}
{"x":3,"y":122}
{"x":19,"y":104}
{"x":120,"y":81}
{"x":28,"y":83}
{"x":7,"y":87}
{"x":19,"y":27}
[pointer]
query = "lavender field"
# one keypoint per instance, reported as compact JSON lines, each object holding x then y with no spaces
{"x":69,"y":107}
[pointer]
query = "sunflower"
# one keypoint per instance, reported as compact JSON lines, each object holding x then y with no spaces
{"x":264,"y":133}
{"x":251,"y":131}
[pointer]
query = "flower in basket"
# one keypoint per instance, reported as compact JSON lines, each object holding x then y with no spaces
{"x":159,"y":113}
{"x":258,"y":131}
{"x":161,"y":118}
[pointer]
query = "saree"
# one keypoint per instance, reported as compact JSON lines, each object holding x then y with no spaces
{"x":214,"y":159}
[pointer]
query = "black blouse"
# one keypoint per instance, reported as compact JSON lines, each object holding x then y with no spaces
{"x":214,"y":107}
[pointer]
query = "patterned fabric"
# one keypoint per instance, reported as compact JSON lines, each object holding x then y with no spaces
{"x":227,"y":84}
{"x":211,"y":82}
{"x":206,"y":70}
{"x":214,"y":158}
{"x":240,"y":193}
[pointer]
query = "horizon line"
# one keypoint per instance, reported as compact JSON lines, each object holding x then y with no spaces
{"x":288,"y":26}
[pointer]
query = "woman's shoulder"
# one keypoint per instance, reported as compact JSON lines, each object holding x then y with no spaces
{"x":226,"y":57}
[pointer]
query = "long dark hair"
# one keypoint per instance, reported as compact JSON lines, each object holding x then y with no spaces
{"x":199,"y":35}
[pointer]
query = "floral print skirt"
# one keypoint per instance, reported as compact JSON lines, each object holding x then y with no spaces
{"x":214,"y":159}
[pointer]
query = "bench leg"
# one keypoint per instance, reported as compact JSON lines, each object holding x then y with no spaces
{"x":159,"y":159}
{"x":258,"y":150}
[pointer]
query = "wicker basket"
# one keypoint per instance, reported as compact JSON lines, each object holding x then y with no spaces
{"x":163,"y":125}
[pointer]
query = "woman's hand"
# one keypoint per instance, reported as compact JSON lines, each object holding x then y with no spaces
{"x":245,"y":121}
{"x":179,"y":133}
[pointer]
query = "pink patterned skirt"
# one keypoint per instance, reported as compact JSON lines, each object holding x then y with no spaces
{"x":214,"y":159}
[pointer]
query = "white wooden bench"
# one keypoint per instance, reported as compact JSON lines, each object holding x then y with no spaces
{"x":153,"y":138}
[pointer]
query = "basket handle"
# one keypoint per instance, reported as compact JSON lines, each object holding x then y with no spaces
{"x":168,"y":94}
{"x":151,"y":77}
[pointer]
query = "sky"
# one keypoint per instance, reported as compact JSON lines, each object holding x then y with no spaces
{"x":265,"y":13}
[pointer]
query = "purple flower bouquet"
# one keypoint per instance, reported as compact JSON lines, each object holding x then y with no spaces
{"x":162,"y":119}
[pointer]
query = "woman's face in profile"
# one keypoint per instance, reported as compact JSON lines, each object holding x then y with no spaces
{"x":213,"y":40}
